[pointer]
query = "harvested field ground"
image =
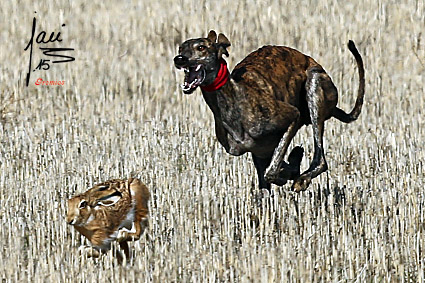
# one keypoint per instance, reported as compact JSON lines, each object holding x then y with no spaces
{"x":121,"y":113}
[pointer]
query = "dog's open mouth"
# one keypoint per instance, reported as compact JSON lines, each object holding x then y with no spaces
{"x":193,"y":77}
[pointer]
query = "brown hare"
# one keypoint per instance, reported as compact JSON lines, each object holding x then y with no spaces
{"x":116,"y":210}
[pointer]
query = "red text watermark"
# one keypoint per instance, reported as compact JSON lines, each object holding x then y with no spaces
{"x":40,"y":81}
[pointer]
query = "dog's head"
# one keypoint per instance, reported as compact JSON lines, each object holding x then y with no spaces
{"x":200,"y":60}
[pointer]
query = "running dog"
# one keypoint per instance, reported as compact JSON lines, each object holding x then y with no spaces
{"x":267,"y":98}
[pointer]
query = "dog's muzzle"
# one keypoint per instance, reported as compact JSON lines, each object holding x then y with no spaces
{"x":194,"y":73}
{"x":181,"y":61}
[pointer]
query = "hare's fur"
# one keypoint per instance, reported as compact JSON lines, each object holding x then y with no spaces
{"x":116,"y":210}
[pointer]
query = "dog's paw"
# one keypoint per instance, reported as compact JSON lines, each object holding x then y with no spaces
{"x":301,"y":184}
{"x":280,"y":179}
{"x":276,"y":176}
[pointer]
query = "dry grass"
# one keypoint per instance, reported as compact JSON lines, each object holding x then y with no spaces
{"x":121,"y":114}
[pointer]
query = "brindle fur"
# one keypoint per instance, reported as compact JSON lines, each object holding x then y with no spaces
{"x":270,"y":95}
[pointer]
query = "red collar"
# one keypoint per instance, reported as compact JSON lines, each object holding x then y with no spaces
{"x":220,"y":80}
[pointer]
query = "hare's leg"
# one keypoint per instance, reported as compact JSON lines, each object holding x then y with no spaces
{"x":125,"y":248}
{"x":136,"y":231}
{"x":118,"y":255}
{"x":89,"y":251}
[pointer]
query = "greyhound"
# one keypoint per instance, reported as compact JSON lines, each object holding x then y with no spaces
{"x":267,"y":98}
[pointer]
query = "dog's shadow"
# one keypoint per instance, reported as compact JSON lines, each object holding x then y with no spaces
{"x":327,"y":199}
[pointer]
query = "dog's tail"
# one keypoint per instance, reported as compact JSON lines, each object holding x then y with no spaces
{"x":354,"y":114}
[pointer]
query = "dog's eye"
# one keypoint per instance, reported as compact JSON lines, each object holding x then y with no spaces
{"x":83,"y":204}
{"x":201,"y":47}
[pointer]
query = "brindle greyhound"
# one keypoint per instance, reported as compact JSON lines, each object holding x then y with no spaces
{"x":259,"y":108}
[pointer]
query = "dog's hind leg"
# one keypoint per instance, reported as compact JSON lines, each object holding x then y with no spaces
{"x":321,"y":99}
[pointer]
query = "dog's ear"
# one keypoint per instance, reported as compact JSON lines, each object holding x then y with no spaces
{"x":212,"y":36}
{"x":222,"y":44}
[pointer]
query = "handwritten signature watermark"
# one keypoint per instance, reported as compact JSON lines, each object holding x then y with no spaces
{"x":44,"y":64}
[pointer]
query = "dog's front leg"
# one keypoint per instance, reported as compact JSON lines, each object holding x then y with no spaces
{"x":261,"y":166}
{"x":278,"y":172}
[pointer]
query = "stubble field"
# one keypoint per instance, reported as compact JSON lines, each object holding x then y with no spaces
{"x":121,"y":113}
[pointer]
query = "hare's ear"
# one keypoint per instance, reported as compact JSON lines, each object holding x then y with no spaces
{"x":109,"y":200}
{"x":222,"y":45}
{"x":102,"y":187}
{"x":212,"y":36}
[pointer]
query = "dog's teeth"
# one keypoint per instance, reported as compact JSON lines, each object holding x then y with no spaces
{"x":186,"y":70}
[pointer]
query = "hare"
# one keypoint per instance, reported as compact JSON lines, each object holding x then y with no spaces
{"x":116,"y":210}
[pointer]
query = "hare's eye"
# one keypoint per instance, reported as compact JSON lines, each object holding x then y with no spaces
{"x":83,"y":204}
{"x":201,"y":47}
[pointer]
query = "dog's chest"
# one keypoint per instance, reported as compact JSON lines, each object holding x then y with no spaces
{"x":236,"y":120}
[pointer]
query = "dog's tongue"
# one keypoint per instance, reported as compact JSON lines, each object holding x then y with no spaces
{"x":192,"y":76}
